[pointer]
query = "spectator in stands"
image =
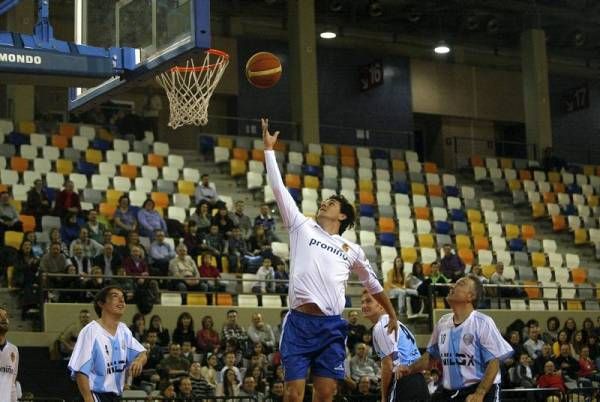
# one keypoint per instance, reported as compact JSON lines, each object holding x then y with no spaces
{"x":149,"y":220}
{"x":69,"y":230}
{"x":73,"y":281}
{"x":521,"y":375}
{"x":184,"y":331}
{"x":207,"y":339}
{"x":224,"y":223}
{"x":498,"y":278}
{"x":260,"y":331}
{"x":37,"y":249}
{"x":361,"y":365}
{"x":128,"y":285}
{"x":185,"y":389}
{"x":240,"y":219}
{"x":281,"y":274}
{"x":161,"y":254}
{"x":567,"y":364}
{"x":562,"y":339}
{"x":184,"y":269}
{"x":258,"y":356}
{"x":168,"y":393}
{"x":174,"y":364}
{"x":514,"y":340}
{"x":187,"y":351}
{"x":154,"y":350}
{"x":68,"y":337}
{"x":416,"y":285}
{"x":108,"y":260}
{"x":452,"y":266}
{"x":260,"y":242}
{"x":229,"y":360}
{"x":9,"y":217}
{"x":551,"y":379}
{"x":202,"y":217}
{"x":26,"y":275}
{"x":578,"y":342}
{"x":125,"y":218}
{"x":80,"y":260}
{"x":133,"y":240}
{"x":232,"y":330}
{"x":394,"y":284}
{"x":135,"y":264}
{"x":191,"y":238}
{"x":38,"y":203}
{"x":355,"y":331}
{"x":258,"y":372}
{"x":204,"y":192}
{"x":208,"y":270}
{"x":55,"y":237}
{"x":209,"y":370}
{"x":236,"y":248}
{"x":264,"y":276}
{"x":214,"y":242}
{"x":200,"y":387}
{"x":277,"y":392}
{"x":594,"y":349}
{"x":478,"y":272}
{"x":551,"y":334}
{"x":67,"y":200}
{"x":91,"y":248}
{"x":54,"y":262}
{"x":534,"y":344}
{"x":587,"y":367}
{"x":570,"y":327}
{"x":162,"y":333}
{"x":93,"y":282}
{"x":540,"y":361}
{"x":266,"y":220}
{"x":438,"y":278}
{"x":587,"y":326}
{"x":551,"y":162}
{"x":230,"y":386}
{"x":138,"y":327}
{"x":95,"y":229}
{"x":248,"y":389}
{"x":363,"y":391}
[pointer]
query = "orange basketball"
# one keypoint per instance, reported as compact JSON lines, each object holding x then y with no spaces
{"x":263,"y":70}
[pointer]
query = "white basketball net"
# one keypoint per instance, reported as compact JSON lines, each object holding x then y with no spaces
{"x":189,"y":88}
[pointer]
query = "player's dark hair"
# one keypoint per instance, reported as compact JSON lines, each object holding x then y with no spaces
{"x":478,"y":289}
{"x":347,"y":209}
{"x":101,"y":298}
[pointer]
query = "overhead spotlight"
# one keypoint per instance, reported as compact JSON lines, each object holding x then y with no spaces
{"x":336,"y":5}
{"x":472,"y":23}
{"x":328,"y":34}
{"x":374,"y":9}
{"x":441,"y":48}
{"x":493,"y":26}
{"x":578,"y":38}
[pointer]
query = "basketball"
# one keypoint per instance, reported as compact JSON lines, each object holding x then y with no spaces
{"x":263,"y":70}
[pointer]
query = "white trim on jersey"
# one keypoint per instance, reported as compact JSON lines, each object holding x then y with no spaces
{"x":320,"y":263}
{"x":403,"y":346}
{"x":466,"y":349}
{"x":9,"y":368}
{"x":104,"y":358}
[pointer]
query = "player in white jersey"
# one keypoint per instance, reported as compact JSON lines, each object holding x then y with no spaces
{"x":313,"y":333}
{"x":9,"y":362}
{"x":106,"y":351}
{"x":469,"y":346}
{"x":393,"y":352}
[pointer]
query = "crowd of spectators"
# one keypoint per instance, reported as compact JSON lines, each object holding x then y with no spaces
{"x":135,"y":243}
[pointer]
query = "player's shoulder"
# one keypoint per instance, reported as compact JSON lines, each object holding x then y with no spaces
{"x":349,"y":246}
{"x":91,"y":327}
{"x":446,"y":321}
{"x":123,"y":328}
{"x":381,"y":323}
{"x":481,"y":318}
{"x":11,"y":346}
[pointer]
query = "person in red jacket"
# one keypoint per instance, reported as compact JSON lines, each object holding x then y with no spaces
{"x":67,"y":200}
{"x":135,"y":264}
{"x":207,"y":339}
{"x":551,"y":379}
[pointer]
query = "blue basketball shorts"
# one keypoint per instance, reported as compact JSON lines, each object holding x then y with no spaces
{"x":315,"y":342}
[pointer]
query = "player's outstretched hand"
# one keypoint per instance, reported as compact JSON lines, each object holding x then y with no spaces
{"x":268,"y":139}
{"x":392,"y":327}
{"x":402,"y":371}
{"x":136,"y":368}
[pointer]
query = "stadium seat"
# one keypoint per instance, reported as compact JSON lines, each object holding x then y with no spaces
{"x":170,"y":299}
{"x":107,"y":210}
{"x":64,"y":166}
{"x":579,"y":275}
{"x":156,"y":160}
{"x":409,"y":254}
{"x":161,"y":200}
{"x":466,"y":255}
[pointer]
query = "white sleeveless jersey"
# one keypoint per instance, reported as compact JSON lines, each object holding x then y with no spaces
{"x":320,"y":263}
{"x":9,"y":366}
{"x":104,"y":358}
{"x":466,"y":349}
{"x":401,"y":346}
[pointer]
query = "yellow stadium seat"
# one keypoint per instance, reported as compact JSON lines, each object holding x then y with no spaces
{"x":580,"y":236}
{"x":527,"y":232}
{"x":240,"y":153}
{"x":512,"y":231}
{"x":488,"y":270}
{"x":64,"y":166}
{"x":313,"y":159}
{"x":554,"y":177}
{"x":112,"y":196}
{"x":13,"y":239}
{"x":225,"y":264}
{"x":477,"y":229}
{"x":466,"y":255}
{"x":538,"y":210}
{"x":574,"y":305}
{"x":238,"y":167}
{"x":418,"y":189}
{"x":440,"y":303}
{"x":156,"y":160}
{"x":105,"y":135}
{"x":225,"y":142}
{"x":365,"y":185}
{"x":93,"y":156}
{"x":107,"y":210}
{"x":26,"y":127}
{"x":481,"y":243}
{"x":196,"y":299}
{"x":19,"y":164}
{"x":538,"y":259}
{"x":186,"y":187}
{"x":366,"y":198}
{"x":161,"y":200}
{"x":559,"y":187}
{"x":474,"y":215}
{"x":129,"y":171}
{"x":514,"y":184}
{"x":506,"y":163}
{"x":463,"y":241}
{"x":330,"y":150}
{"x":592,"y":201}
{"x":408,"y":254}
{"x":398,"y":165}
{"x":224,"y":299}
{"x":311,"y":182}
{"x":67,"y":130}
{"x":28,"y":223}
{"x":426,"y":240}
{"x":17,"y":204}
{"x":292,"y":181}
{"x":579,"y":275}
{"x":589,"y":170}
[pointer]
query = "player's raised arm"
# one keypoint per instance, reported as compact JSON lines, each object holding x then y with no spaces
{"x":287,"y":206}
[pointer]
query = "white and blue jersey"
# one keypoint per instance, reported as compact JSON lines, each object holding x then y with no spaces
{"x":466,"y":349}
{"x":320,"y":263}
{"x":402,"y":347}
{"x":104,"y":358}
{"x":9,"y":367}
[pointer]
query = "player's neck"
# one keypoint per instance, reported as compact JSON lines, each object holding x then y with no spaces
{"x":109,"y":322}
{"x":331,"y":226}
{"x":462,"y":312}
{"x":3,"y":339}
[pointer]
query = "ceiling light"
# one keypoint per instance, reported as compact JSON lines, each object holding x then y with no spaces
{"x":336,"y":5}
{"x":493,"y":26}
{"x":375,"y":9}
{"x":328,"y":34}
{"x":441,"y":48}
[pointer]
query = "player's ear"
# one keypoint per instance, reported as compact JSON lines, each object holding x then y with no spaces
{"x":342,"y":217}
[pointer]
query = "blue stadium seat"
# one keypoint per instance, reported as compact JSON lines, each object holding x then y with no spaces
{"x":86,"y":168}
{"x":51,"y":193}
{"x":569,"y":209}
{"x":367,"y":210}
{"x":442,"y":227}
{"x":296,"y":194}
{"x":206,"y":143}
{"x":451,"y":191}
{"x":457,"y":215}
{"x":379,"y":154}
{"x":101,"y":145}
{"x":401,"y":187}
{"x":516,"y":245}
{"x":387,"y":239}
{"x":311,"y":170}
{"x":573,"y":188}
{"x":17,"y":139}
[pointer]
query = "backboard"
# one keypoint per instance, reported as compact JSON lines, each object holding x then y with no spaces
{"x":166,"y":32}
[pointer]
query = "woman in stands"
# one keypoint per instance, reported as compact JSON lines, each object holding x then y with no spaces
{"x":55,"y":237}
{"x":579,"y":341}
{"x":588,"y":327}
{"x":184,"y":331}
{"x":562,"y":339}
{"x":125,"y":219}
{"x":260,"y":242}
{"x":26,"y":275}
{"x":67,"y":201}
{"x":230,"y":385}
{"x":571,"y":327}
{"x":414,"y":285}
{"x":209,"y":369}
{"x":202,"y":217}
{"x":163,"y":333}
{"x":138,"y":327}
{"x":207,"y":339}
{"x":36,"y":248}
{"x":551,"y":334}
{"x":149,"y":220}
{"x":69,"y":230}
{"x":37,"y":204}
{"x":395,"y":285}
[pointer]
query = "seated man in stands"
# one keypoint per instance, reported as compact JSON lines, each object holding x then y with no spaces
{"x":67,"y":200}
{"x":229,"y":364}
{"x":37,"y":204}
{"x":9,"y":217}
{"x":266,"y":220}
{"x":54,"y":262}
{"x":452,"y":266}
{"x":161,"y":253}
{"x":498,"y":278}
{"x":108,"y":260}
{"x":232,"y":330}
{"x":91,"y":248}
{"x":260,"y":331}
{"x":204,"y":192}
{"x":248,"y":389}
{"x":174,"y":365}
{"x":213,"y":242}
{"x":80,"y":260}
{"x":185,"y":272}
{"x":240,"y":219}
{"x":534,"y":344}
{"x":95,"y":229}
{"x":567,"y":364}
{"x":362,"y":365}
{"x":236,"y":248}
{"x":69,"y":336}
{"x":551,"y":379}
{"x":155,"y":354}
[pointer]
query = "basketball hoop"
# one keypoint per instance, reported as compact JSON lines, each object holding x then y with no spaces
{"x":189,"y":88}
